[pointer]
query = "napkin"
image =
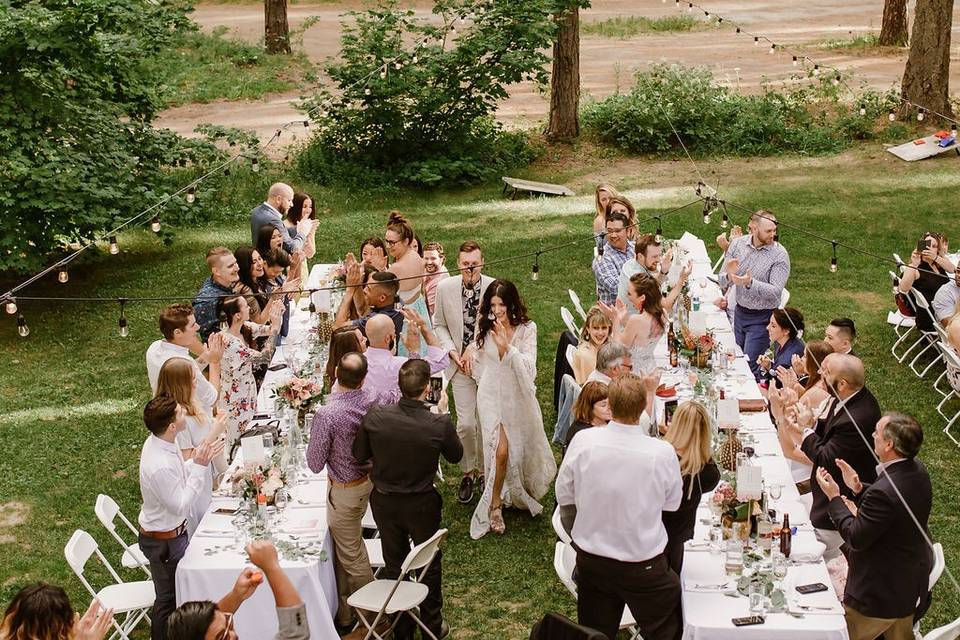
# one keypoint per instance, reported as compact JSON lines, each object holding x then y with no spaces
{"x":303,"y":526}
{"x":797,"y":511}
{"x":806,"y":549}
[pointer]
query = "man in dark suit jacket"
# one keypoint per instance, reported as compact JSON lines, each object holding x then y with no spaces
{"x":271,"y":212}
{"x":844,"y":433}
{"x":889,"y":555}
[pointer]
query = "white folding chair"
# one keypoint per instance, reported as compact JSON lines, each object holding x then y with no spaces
{"x":784,"y":298}
{"x":108,"y":511}
{"x":899,"y":261}
{"x":716,"y":265}
{"x":569,"y":354}
{"x":568,"y":320}
{"x":932,"y":337}
{"x":388,"y":597}
{"x":939,"y":564}
{"x":564,"y":560}
{"x":948,"y":355}
{"x":902,"y":325}
{"x":367,"y":522}
{"x":953,"y":377}
{"x":558,"y":527}
{"x":131,"y":598}
{"x":575,"y":299}
{"x":946,"y":632}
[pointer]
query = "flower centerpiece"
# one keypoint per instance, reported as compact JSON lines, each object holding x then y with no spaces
{"x":251,"y":481}
{"x":734,"y":513}
{"x":697,"y":347}
{"x":299,"y":393}
{"x":338,"y":274}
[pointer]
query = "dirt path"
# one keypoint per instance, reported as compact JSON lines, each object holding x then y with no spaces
{"x":606,"y":64}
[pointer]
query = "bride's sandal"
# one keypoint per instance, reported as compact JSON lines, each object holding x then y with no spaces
{"x":496,"y":520}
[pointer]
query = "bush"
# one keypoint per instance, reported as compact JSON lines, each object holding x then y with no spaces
{"x":428,"y":119}
{"x":713,"y":119}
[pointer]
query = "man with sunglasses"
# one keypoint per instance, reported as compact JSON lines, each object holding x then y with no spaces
{"x":206,"y":620}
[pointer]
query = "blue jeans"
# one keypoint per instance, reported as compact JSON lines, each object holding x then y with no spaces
{"x":750,"y":332}
{"x":164,"y":556}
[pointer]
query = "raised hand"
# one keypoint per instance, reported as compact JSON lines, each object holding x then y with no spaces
{"x":735,"y":232}
{"x":263,"y":554}
{"x":609,"y":311}
{"x":413,"y":317}
{"x":411,"y":337}
{"x":651,"y":382}
{"x":207,"y":451}
{"x":94,"y":624}
{"x":499,"y":335}
{"x":829,"y":486}
{"x":685,"y":272}
{"x":276,"y":318}
{"x":851,"y":505}
{"x":787,"y":377}
{"x":798,"y":365}
{"x":247,"y":582}
{"x":915,"y":258}
{"x":850,"y":476}
{"x":215,"y":347}
{"x":354,"y":273}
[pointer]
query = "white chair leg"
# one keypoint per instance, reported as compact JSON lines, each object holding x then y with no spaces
{"x":916,"y":358}
{"x":900,"y":358}
{"x":931,"y":364}
{"x":946,"y":429}
{"x":936,"y":385}
{"x":945,"y":400}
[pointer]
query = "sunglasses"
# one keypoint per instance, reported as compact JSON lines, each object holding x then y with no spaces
{"x":228,"y":628}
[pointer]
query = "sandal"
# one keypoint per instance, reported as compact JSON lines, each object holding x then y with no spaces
{"x":496,"y":520}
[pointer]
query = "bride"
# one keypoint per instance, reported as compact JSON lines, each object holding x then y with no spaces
{"x":408,"y":266}
{"x":642,"y":331}
{"x":518,"y":462}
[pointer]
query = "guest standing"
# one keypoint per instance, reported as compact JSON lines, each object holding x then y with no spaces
{"x":455,"y":319}
{"x":616,"y":250}
{"x":303,"y":207}
{"x":383,"y":366}
{"x":602,"y":195}
{"x":271,"y":212}
{"x":689,"y":433}
{"x":758,"y":267}
{"x":334,"y":429}
{"x":518,"y":462}
{"x":224,"y":274}
{"x":180,"y":332}
{"x":436,"y":271}
{"x":595,"y":332}
{"x":885,"y":528}
{"x":405,"y":441}
{"x":373,"y":253}
{"x":169,"y":487}
{"x":408,"y":266}
{"x":621,"y":559}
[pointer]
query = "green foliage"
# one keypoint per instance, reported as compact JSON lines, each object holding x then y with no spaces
{"x":624,"y":27}
{"x":428,"y":119}
{"x":857,"y":43}
{"x":713,"y":119}
{"x":200,"y":67}
{"x":77,"y":149}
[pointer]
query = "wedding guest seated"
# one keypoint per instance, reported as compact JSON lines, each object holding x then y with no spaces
{"x":590,"y":410}
{"x":354,"y":304}
{"x":613,"y":360}
{"x":928,"y":270}
{"x":343,"y":341}
{"x":269,"y":239}
{"x":595,"y":332}
{"x":250,"y":285}
{"x":689,"y":433}
{"x":382,"y":382}
{"x":436,"y":271}
{"x":947,"y":297}
{"x":784,"y":330}
{"x":43,"y":612}
{"x":885,"y":530}
{"x":648,"y":260}
{"x":224,"y":274}
{"x":373,"y":253}
{"x":206,"y":620}
{"x":380,"y":294}
{"x":617,"y":249}
{"x":841,"y":334}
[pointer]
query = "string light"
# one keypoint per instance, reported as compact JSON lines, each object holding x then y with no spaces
{"x":254,"y":165}
{"x":226,"y":171}
{"x":738,"y":29}
{"x":122,"y":323}
{"x":863,"y":110}
{"x":155,"y":224}
{"x":833,"y":260}
{"x":224,"y":325}
{"x":63,"y":276}
{"x":892,"y":116}
{"x":953,"y":130}
{"x":816,"y":70}
{"x":313,"y":307}
{"x":920,"y":114}
{"x":725,"y":221}
{"x":706,"y":211}
{"x":795,"y":61}
{"x":756,"y":41}
{"x":658,"y":238}
{"x":306,"y":124}
{"x":11,"y":306}
{"x":836,"y":79}
{"x":114,"y":247}
{"x":773,"y":49}
{"x":22,"y":327}
{"x":536,"y":267}
{"x":191,"y":194}
{"x":690,"y":8}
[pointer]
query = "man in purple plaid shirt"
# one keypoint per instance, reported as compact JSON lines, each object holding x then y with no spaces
{"x":332,"y":434}
{"x":616,"y":251}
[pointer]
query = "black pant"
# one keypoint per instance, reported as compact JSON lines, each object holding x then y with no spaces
{"x":164,"y":556}
{"x":399,"y":518}
{"x":651,"y":589}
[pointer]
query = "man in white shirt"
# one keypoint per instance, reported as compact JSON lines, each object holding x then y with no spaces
{"x":181,"y":336}
{"x":169,"y":487}
{"x":616,"y":527}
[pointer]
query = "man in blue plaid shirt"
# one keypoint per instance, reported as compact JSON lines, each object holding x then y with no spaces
{"x":616,"y":251}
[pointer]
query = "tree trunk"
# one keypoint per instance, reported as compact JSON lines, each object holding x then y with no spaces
{"x":565,"y":80}
{"x":276,"y":28}
{"x":893,"y":33}
{"x":926,"y":78}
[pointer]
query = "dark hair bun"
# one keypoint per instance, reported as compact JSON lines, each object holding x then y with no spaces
{"x":396,"y":218}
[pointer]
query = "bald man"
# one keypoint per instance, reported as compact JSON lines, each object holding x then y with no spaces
{"x":845,"y":433}
{"x":383,"y":367}
{"x":271,"y":212}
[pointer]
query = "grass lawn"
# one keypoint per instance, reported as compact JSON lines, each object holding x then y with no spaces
{"x":72,"y":392}
{"x":624,"y":27}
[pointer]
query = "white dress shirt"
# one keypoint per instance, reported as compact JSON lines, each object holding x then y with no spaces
{"x":620,"y":479}
{"x":161,"y":351}
{"x":169,"y":486}
{"x":598,"y":376}
{"x":191,"y":438}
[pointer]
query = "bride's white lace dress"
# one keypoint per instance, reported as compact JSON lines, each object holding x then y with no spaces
{"x":506,"y":394}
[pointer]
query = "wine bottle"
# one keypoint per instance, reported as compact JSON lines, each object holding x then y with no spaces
{"x":786,"y":537}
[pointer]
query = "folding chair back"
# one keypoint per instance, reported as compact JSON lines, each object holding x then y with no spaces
{"x":569,"y":354}
{"x":568,"y":320}
{"x":564,"y":560}
{"x":78,"y":551}
{"x":899,"y":261}
{"x":558,"y":527}
{"x":575,"y":299}
{"x":422,"y":555}
{"x":939,"y":563}
{"x":108,"y":511}
{"x":784,"y":298}
{"x":947,"y":632}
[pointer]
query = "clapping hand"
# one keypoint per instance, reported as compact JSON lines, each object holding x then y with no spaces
{"x":94,"y":624}
{"x":615,"y":313}
{"x":651,"y":382}
{"x":787,"y":377}
{"x":207,"y":451}
{"x":354,"y":272}
{"x":851,"y":505}
{"x":829,"y":486}
{"x":276,"y":317}
{"x":413,"y":317}
{"x":411,"y":337}
{"x":798,"y":366}
{"x":685,"y":273}
{"x":720,"y":303}
{"x":764,"y":362}
{"x":215,"y":346}
{"x":499,"y":335}
{"x":304,"y":226}
{"x":666,"y":260}
{"x":735,"y":232}
{"x":850,"y":476}
{"x":733,"y":266}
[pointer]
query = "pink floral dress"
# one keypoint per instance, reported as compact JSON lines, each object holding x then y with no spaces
{"x":238,"y":388}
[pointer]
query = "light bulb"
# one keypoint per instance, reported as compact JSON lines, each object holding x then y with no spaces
{"x":833,"y":264}
{"x":724,"y":221}
{"x":690,"y":8}
{"x":706,"y":216}
{"x":63,"y":276}
{"x":114,"y":247}
{"x":366,"y":92}
{"x":773,"y":48}
{"x":835,"y":80}
{"x":226,"y":171}
{"x":536,"y":272}
{"x":953,"y":130}
{"x":596,"y":252}
{"x":306,"y":124}
{"x":155,"y":224}
{"x":795,"y":61}
{"x":383,"y":73}
{"x":756,"y":41}
{"x":892,"y":117}
{"x":920,"y":115}
{"x":124,"y":329}
{"x":816,"y":70}
{"x":22,"y":327}
{"x":254,"y":165}
{"x":224,"y":325}
{"x":863,"y":110}
{"x":313,"y":307}
{"x":11,"y":306}
{"x":191,"y":195}
{"x":397,"y":65}
{"x":738,"y":29}
{"x":414,"y":59}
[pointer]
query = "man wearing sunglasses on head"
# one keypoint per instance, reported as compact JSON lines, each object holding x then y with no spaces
{"x":206,"y":620}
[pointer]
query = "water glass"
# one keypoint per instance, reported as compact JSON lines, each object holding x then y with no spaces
{"x":758,"y":599}
{"x":733,"y":563}
{"x":775,"y":491}
{"x":268,"y":440}
{"x":716,"y":540}
{"x":778,"y":562}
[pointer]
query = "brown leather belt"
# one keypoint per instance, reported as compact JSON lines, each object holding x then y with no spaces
{"x":166,"y":535}
{"x":348,"y":485}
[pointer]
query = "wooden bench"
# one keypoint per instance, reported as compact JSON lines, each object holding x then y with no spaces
{"x":528,"y":186}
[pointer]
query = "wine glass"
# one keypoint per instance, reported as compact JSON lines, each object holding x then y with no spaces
{"x":281,"y":498}
{"x":775,"y":491}
{"x":779,"y":564}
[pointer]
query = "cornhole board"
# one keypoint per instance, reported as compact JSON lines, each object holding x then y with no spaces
{"x":528,"y":186}
{"x":931,"y":147}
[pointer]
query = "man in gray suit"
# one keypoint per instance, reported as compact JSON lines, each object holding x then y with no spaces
{"x":455,"y":323}
{"x":271,"y":212}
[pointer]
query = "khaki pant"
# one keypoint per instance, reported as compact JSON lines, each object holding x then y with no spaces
{"x":345,"y":509}
{"x":861,"y":627}
{"x":833,"y":540}
{"x":468,"y":423}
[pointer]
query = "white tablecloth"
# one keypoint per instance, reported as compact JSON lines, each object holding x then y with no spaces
{"x":707,"y":616}
{"x":203,"y":576}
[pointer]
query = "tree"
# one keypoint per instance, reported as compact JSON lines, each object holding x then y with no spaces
{"x":565,"y":80}
{"x":276,"y":27}
{"x":893,"y":32}
{"x":926,"y":78}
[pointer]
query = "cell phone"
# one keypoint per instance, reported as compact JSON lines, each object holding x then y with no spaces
{"x":669,"y":407}
{"x":223,"y":511}
{"x":436,"y":390}
{"x":745,"y":622}
{"x":814,"y":587}
{"x":923,"y":244}
{"x":276,"y":367}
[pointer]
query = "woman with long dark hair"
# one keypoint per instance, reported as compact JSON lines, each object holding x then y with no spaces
{"x":518,"y":462}
{"x":43,"y":612}
{"x":251,"y":282}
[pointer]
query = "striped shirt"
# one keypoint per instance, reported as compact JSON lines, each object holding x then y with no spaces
{"x":769,"y":267}
{"x":607,"y":267}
